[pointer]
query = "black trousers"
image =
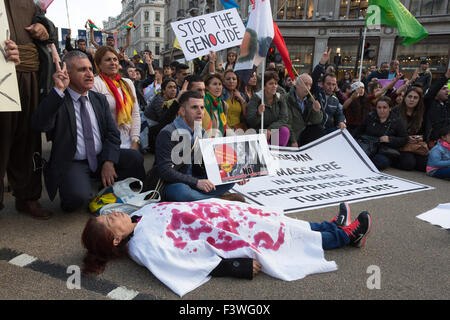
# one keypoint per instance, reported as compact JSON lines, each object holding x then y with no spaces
{"x":19,"y":142}
{"x":311,"y":133}
{"x":75,"y":188}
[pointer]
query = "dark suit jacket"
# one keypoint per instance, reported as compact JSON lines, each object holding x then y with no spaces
{"x":56,"y":117}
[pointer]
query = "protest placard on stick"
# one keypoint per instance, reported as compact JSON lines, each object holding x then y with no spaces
{"x":9,"y":89}
{"x":211,"y":32}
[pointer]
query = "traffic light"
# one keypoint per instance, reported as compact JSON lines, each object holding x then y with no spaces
{"x":273,"y":55}
{"x":368,"y":53}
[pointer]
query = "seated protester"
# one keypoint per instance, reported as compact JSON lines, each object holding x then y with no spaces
{"x":85,"y":139}
{"x":184,"y":178}
{"x":437,"y":108}
{"x":424,"y":75}
{"x":356,"y":107}
{"x":384,"y":132}
{"x":192,"y":83}
{"x":439,"y":159}
{"x":382,"y":73}
{"x":333,"y":115}
{"x":215,"y":118}
{"x":121,"y":96}
{"x":305,"y":115}
{"x":153,"y":88}
{"x":237,"y":107}
{"x":411,"y":112}
{"x":276,"y":116}
{"x":346,"y":80}
{"x":185,"y":254}
{"x":181,"y":72}
{"x":345,"y":92}
{"x":249,"y":90}
{"x":132,"y":74}
{"x":288,"y":83}
{"x":162,"y":101}
{"x":376,"y":90}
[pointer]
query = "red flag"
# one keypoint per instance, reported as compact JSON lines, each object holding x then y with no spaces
{"x":284,"y":53}
{"x":45,"y":4}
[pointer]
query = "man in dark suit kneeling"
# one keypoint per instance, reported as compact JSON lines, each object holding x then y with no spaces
{"x":85,"y":138}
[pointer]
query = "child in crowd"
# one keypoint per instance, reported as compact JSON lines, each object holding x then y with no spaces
{"x":439,"y":158}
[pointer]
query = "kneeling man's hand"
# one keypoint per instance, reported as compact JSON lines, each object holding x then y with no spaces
{"x":108,"y":174}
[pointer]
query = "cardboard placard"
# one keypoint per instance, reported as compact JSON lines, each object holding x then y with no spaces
{"x":9,"y":88}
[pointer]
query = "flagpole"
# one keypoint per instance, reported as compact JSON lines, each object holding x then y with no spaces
{"x":362,"y":53}
{"x":67,"y":11}
{"x":262,"y":95}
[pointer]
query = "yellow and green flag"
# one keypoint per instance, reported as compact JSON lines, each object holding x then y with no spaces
{"x":394,"y":14}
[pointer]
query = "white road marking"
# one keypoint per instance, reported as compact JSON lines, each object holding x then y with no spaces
{"x":22,"y":260}
{"x":122,"y":293}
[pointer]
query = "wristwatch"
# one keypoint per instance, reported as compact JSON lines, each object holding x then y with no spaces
{"x":137,"y":140}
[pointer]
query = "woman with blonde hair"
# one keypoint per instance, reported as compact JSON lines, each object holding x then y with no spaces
{"x":121,"y":96}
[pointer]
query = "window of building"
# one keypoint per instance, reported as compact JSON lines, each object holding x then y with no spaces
{"x":146,"y":31}
{"x":353,"y":9}
{"x":157,"y":32}
{"x":346,"y":53}
{"x":295,"y":9}
{"x":157,"y":16}
{"x":429,"y":7}
{"x":146,"y":15}
{"x":157,"y":49}
{"x":434,"y":49}
{"x":301,"y":53}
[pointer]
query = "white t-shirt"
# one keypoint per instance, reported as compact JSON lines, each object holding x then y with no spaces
{"x":181,"y":243}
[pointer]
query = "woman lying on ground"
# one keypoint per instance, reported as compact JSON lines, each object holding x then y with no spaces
{"x":184,"y":244}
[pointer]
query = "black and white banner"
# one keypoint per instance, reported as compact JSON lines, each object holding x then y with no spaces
{"x":328,"y":171}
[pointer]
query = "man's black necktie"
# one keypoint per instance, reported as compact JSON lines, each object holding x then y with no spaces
{"x":88,"y":135}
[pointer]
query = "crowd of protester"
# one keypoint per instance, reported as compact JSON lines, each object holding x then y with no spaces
{"x":396,"y":122}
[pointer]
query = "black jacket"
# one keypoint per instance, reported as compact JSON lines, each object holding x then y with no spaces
{"x":392,"y":127}
{"x":56,"y":117}
{"x":437,"y":115}
{"x":171,"y":172}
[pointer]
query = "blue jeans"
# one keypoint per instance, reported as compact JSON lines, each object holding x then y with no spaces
{"x":332,"y":236}
{"x":443,"y":173}
{"x":180,"y":192}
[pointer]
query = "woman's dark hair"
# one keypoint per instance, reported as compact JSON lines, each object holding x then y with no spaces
{"x":270,"y":75}
{"x":444,"y":131}
{"x":373,"y":85}
{"x":385,"y":99}
{"x":165,"y":83}
{"x":98,"y":240}
{"x":417,"y":116}
{"x":211,"y":76}
{"x":238,"y":85}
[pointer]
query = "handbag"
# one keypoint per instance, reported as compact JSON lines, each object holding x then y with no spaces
{"x":372,"y":145}
{"x":369,"y":144}
{"x":419,"y":148}
{"x":121,"y":197}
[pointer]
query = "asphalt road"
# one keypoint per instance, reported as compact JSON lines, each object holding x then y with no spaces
{"x":410,"y":256}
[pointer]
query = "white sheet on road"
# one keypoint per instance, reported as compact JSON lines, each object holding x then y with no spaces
{"x":328,"y":171}
{"x":439,"y":216}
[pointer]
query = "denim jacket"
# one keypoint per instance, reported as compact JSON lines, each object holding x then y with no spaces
{"x":438,"y":158}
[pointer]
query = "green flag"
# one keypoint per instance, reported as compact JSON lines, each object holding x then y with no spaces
{"x":394,"y":14}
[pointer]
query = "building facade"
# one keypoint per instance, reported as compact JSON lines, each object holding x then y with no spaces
{"x":148,"y":16}
{"x":309,"y":26}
